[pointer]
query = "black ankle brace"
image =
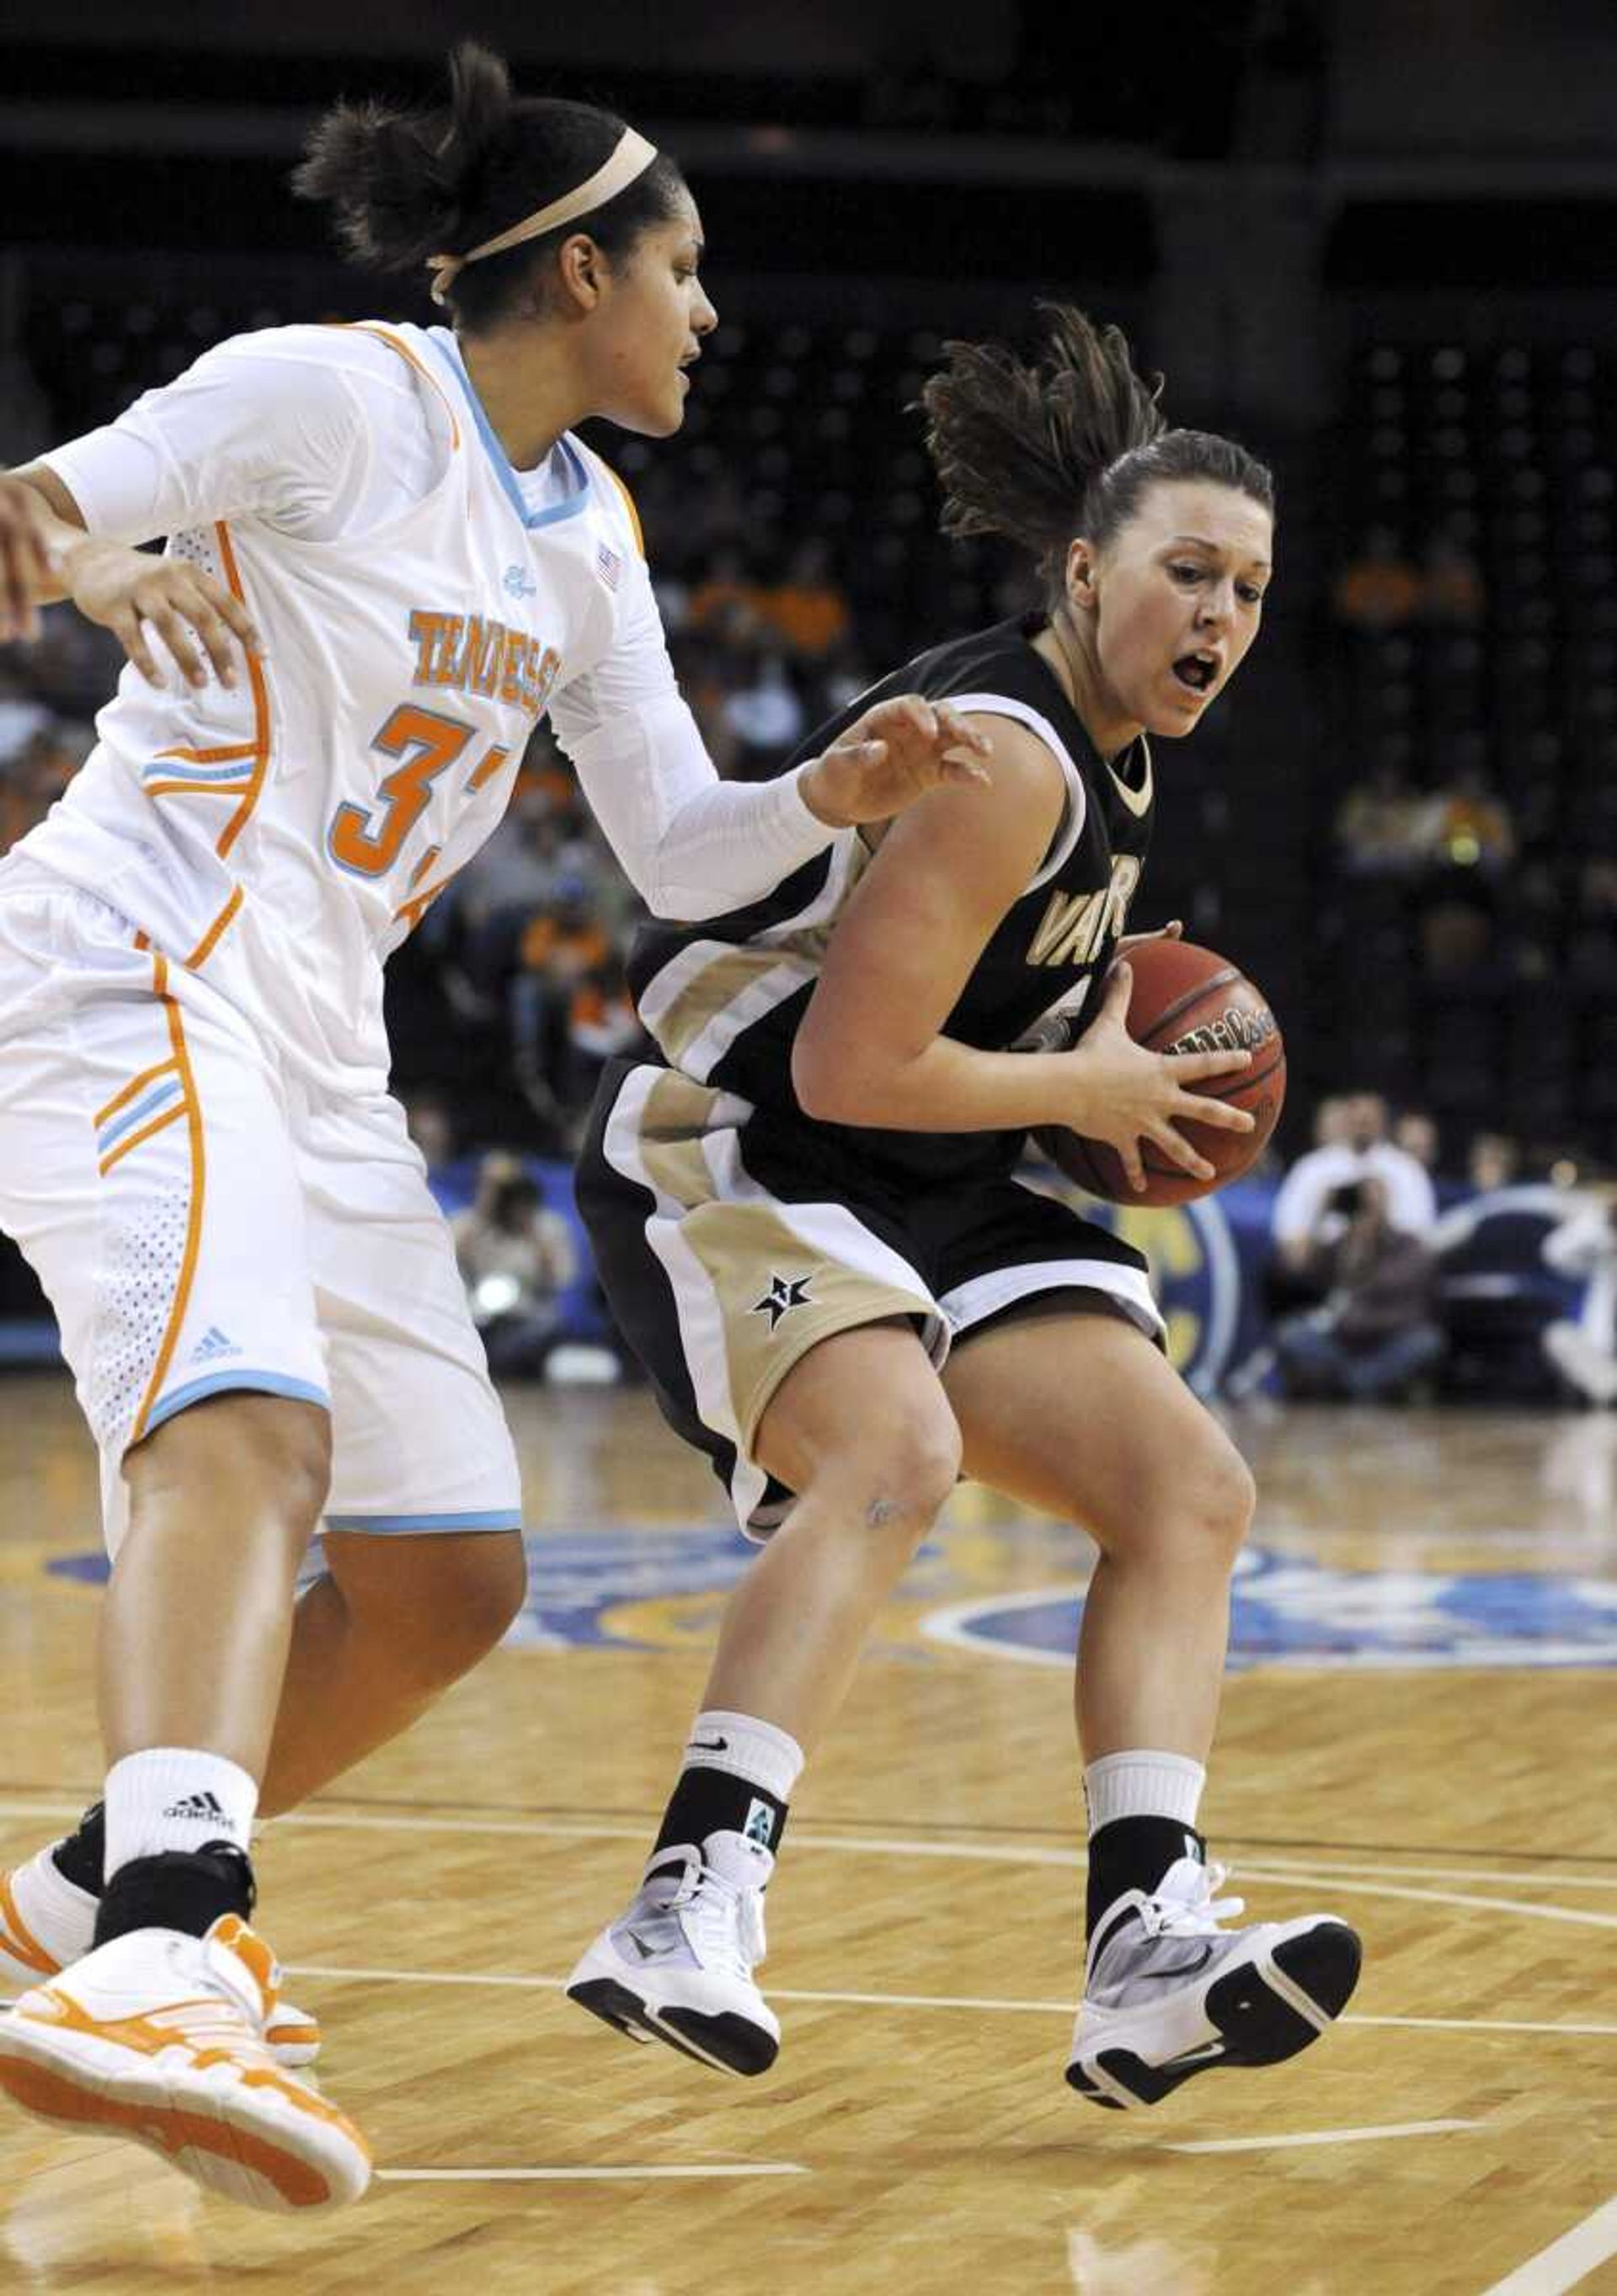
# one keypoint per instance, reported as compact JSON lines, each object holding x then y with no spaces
{"x":82,"y":1857}
{"x":1134,"y":1853}
{"x":178,"y":1889}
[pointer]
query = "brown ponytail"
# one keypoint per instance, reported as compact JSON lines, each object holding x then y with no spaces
{"x":1064,"y":446}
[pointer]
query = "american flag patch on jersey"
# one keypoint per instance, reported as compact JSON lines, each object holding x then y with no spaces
{"x":608,"y":565}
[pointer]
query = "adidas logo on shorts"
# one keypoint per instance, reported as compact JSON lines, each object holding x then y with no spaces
{"x":212,"y":1346}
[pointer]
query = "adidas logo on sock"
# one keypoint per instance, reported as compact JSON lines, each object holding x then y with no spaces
{"x":213,"y":1344}
{"x":207,"y":1808}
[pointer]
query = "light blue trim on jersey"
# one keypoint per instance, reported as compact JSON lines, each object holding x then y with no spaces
{"x":204,"y":776}
{"x":500,"y":1519}
{"x":252,"y":1382}
{"x":570,"y":505}
{"x":170,"y":1090}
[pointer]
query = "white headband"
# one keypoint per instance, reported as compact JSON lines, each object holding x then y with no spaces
{"x":631,"y":156}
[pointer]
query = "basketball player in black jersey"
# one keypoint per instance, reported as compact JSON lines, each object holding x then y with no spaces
{"x":808,"y":1225}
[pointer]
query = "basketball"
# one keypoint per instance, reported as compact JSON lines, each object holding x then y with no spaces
{"x":1187,"y":999}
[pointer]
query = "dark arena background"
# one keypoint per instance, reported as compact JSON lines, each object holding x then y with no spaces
{"x":1376,"y":242}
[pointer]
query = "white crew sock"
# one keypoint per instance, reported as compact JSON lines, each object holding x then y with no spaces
{"x":747,"y":1749}
{"x":175,"y":1798}
{"x":1143,"y":1785}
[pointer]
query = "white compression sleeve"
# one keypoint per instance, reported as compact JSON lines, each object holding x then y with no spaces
{"x":691,"y":845}
{"x":281,"y":425}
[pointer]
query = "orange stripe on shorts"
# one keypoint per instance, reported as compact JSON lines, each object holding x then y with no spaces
{"x":199,"y":1184}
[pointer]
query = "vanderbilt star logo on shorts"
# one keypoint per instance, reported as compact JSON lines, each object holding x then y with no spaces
{"x":785,"y":1293}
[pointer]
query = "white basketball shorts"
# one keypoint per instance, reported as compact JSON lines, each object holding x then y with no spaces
{"x":201,"y":1223}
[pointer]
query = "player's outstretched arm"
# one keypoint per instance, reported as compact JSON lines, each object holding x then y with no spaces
{"x":45,"y":556}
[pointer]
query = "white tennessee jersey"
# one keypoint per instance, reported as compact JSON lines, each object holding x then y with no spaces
{"x":418,"y":604}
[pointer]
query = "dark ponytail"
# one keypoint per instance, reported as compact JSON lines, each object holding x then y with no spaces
{"x":1063,"y":447}
{"x":407,"y":186}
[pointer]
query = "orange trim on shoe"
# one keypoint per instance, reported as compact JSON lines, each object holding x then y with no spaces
{"x":149,"y":2035}
{"x":55,"y":2098}
{"x":18,"y":1939}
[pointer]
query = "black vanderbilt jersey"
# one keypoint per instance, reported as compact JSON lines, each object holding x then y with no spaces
{"x":723,"y":999}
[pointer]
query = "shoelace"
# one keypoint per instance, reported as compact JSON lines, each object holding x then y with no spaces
{"x":726,"y":1923}
{"x":1187,"y":1903}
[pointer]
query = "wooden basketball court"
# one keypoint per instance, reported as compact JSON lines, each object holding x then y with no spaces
{"x":1420,"y":1732}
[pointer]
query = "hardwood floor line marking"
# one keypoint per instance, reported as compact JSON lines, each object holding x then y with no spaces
{"x":1566,"y":2262}
{"x":634,"y":2173}
{"x":344,"y":1974}
{"x":1399,"y":2129}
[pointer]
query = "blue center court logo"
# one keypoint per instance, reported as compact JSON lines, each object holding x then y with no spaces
{"x":1287,"y":1611}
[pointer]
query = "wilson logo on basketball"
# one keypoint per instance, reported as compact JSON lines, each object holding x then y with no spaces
{"x":1234,"y":1030}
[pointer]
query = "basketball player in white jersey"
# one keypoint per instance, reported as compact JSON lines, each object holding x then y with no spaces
{"x":394,"y":556}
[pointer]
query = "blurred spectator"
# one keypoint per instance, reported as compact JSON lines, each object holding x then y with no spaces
{"x":701,"y":666}
{"x":430,"y":1126}
{"x":1386,"y":828}
{"x":843,"y":677}
{"x":808,"y":609}
{"x":1375,"y":1336}
{"x":516,"y":1257}
{"x":1585,"y":1245}
{"x":1492,"y":1161}
{"x":730,"y":603}
{"x":1451,"y":587}
{"x":1416,"y":1134}
{"x":1470,"y":824}
{"x":72,"y":666}
{"x":1379,"y":589}
{"x":766,"y":716}
{"x":1382,"y":825}
{"x":559,"y":949}
{"x":1332,"y":1120}
{"x":1306,"y":1217}
{"x":22,"y":714}
{"x":1456,"y":941}
{"x":518,"y":867}
{"x":36,"y":776}
{"x":602,"y":1023}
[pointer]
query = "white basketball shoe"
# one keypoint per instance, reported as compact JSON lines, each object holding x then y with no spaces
{"x":677,"y":1966}
{"x":158,"y":2036}
{"x":1168,"y":1992}
{"x":48,"y":1923}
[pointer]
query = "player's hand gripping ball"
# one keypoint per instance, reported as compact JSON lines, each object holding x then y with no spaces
{"x":1187,"y":999}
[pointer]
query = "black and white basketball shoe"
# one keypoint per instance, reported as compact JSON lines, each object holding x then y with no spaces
{"x":677,"y":1966}
{"x":1170,"y":1992}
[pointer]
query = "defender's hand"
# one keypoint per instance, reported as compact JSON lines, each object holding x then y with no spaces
{"x":892,"y":755}
{"x":138,"y":597}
